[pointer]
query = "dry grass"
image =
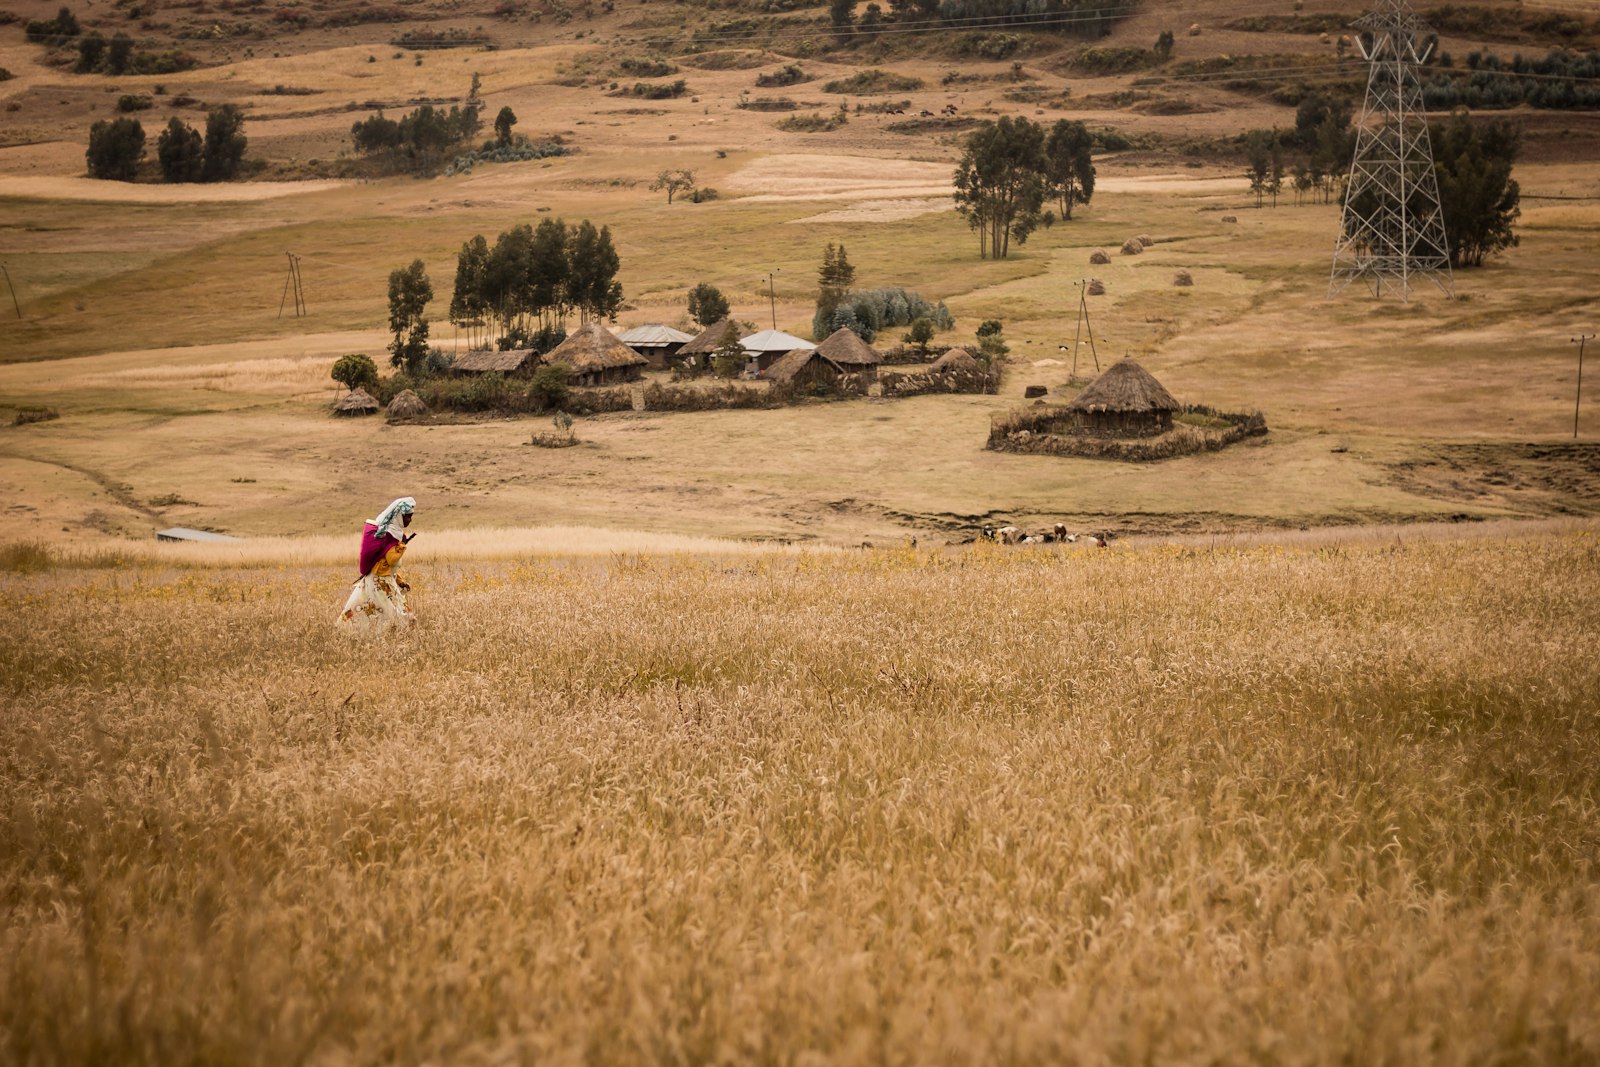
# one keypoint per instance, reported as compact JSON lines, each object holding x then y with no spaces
{"x":1320,"y":805}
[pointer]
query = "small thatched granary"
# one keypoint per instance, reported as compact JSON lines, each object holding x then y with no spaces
{"x":406,"y":405}
{"x":1099,"y":257}
{"x":769,"y":346}
{"x":804,"y":367}
{"x":655,"y":342}
{"x":514,"y":362}
{"x":1132,"y":246}
{"x":1124,"y":401}
{"x":850,"y":352}
{"x":698,"y":350}
{"x":356,"y":402}
{"x":597,"y":357}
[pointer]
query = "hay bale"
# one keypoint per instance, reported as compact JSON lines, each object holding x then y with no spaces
{"x":356,"y":402}
{"x":1099,"y":256}
{"x":1096,"y":287}
{"x":1182,"y":278}
{"x":1230,"y":218}
{"x":1132,"y":246}
{"x":1145,"y":239}
{"x":1194,"y":29}
{"x":406,"y":405}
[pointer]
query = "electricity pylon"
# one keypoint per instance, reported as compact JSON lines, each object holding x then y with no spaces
{"x":1393,"y":226}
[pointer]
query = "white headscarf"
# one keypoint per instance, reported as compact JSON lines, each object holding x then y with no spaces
{"x":391,"y":520}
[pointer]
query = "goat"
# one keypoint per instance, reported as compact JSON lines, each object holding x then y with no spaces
{"x":1060,"y":531}
{"x":1008,"y":535}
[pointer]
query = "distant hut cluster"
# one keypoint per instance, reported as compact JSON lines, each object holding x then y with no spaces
{"x":594,"y":354}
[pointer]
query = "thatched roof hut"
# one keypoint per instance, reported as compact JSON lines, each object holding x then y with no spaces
{"x":846,"y":348}
{"x":514,"y":361}
{"x":597,"y":357}
{"x":406,"y":405}
{"x":356,"y":402}
{"x":1124,"y":401}
{"x":656,"y":342}
{"x":710,"y":339}
{"x":957,"y":361}
{"x":1099,"y":257}
{"x":804,"y":366}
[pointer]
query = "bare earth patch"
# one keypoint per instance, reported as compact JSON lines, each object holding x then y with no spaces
{"x":881,"y":210}
{"x":59,"y":188}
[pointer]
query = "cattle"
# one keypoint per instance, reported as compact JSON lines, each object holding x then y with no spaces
{"x":1008,"y":535}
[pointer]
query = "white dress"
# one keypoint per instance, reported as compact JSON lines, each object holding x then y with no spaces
{"x":378,"y":599}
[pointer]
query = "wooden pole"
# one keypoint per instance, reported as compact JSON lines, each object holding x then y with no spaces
{"x":13,"y":290}
{"x":1578,"y":400}
{"x":1077,"y":334}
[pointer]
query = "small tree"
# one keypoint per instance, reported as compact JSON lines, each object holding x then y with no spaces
{"x":872,"y":19}
{"x":674,"y":182}
{"x":1477,"y":194}
{"x":991,"y":343}
{"x":562,"y":421}
{"x":550,"y":384}
{"x":409,"y":293}
{"x":119,"y":57}
{"x":115,"y":149}
{"x":707,"y":305}
{"x":355,"y":371}
{"x":179,"y":152}
{"x":1275,"y":172}
{"x":1069,"y":168}
{"x":841,"y":13}
{"x":503,"y":123}
{"x":1258,"y":153}
{"x":224,"y":144}
{"x":920,"y":334}
{"x":91,"y":52}
{"x":1163,"y":48}
{"x":729,"y":358}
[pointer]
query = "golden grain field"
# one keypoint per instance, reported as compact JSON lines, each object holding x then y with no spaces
{"x":1320,"y":803}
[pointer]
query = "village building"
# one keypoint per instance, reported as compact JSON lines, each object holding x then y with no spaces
{"x":959,"y":362}
{"x":698,"y":350}
{"x":356,"y":402}
{"x":1124,"y":401}
{"x":804,"y":368}
{"x":513,"y":363}
{"x":846,"y":349}
{"x":655,"y":342}
{"x":769,"y":346}
{"x":597,"y":357}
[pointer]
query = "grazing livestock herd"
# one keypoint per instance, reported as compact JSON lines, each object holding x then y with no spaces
{"x":1013,"y":535}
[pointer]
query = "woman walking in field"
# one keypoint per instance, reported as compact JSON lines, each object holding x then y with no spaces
{"x":378,"y":599}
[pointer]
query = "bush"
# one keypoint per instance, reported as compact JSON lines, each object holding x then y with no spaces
{"x":813,"y":123}
{"x":550,"y":384}
{"x":790,"y":74}
{"x":868,"y":82}
{"x":714,"y":397}
{"x":648,"y":91}
{"x":27,"y":415}
{"x":134,"y":102}
{"x":115,"y":149}
{"x":646,"y":68}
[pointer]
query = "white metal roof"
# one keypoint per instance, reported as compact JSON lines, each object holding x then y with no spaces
{"x":774,"y":341}
{"x":183,"y":533}
{"x":653,"y":335}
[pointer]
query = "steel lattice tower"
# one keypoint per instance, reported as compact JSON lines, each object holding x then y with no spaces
{"x":1393,"y":227}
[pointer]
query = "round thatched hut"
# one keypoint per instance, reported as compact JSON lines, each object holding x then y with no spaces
{"x":852,"y":354}
{"x":1125,"y":401}
{"x":1132,"y":246}
{"x":406,"y":405}
{"x":957,"y":361}
{"x":597,"y":357}
{"x":356,"y":402}
{"x":1099,"y":257}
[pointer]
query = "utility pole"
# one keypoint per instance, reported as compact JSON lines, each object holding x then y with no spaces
{"x":1579,"y":340}
{"x":292,"y":282}
{"x":13,"y":290}
{"x":1083,"y":325}
{"x":772,"y":295}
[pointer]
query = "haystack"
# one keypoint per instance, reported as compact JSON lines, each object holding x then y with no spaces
{"x":1096,"y":287}
{"x":1132,"y":246}
{"x":356,"y":402}
{"x":845,"y":348}
{"x":597,"y":357}
{"x":406,"y":405}
{"x":1099,"y":257}
{"x":1230,"y":218}
{"x":1145,"y":239}
{"x":1182,"y":278}
{"x":1125,"y":401}
{"x":1194,"y":29}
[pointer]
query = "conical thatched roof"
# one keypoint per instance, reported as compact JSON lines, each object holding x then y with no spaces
{"x":407,"y":405}
{"x":1124,"y":388}
{"x":792,"y":363}
{"x":356,"y":402}
{"x":845,"y":347}
{"x":710,"y":338}
{"x":593,"y":348}
{"x":957,"y":361}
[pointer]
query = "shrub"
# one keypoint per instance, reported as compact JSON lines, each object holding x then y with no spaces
{"x":115,"y":149}
{"x":646,"y":68}
{"x":712,"y":397}
{"x":355,"y":371}
{"x":27,"y":415}
{"x":790,"y":74}
{"x":550,"y":384}
{"x":134,"y":102}
{"x":813,"y":123}
{"x":868,"y":82}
